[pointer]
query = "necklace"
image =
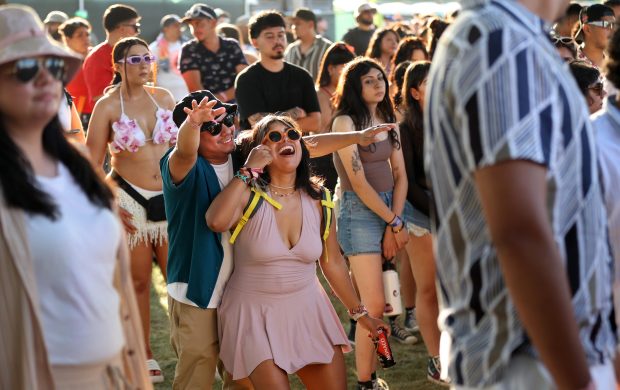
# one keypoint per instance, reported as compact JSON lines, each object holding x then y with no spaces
{"x":281,"y":195}
{"x":281,"y":188}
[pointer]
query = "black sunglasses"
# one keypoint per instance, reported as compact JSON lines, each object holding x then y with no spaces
{"x":214,"y":128}
{"x":26,"y":69}
{"x":598,"y":88}
{"x":136,"y":27}
{"x":276,"y":136}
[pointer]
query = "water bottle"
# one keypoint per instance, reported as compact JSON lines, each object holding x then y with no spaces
{"x":391,"y":290}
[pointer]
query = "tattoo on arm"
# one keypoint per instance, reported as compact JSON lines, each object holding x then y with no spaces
{"x":356,"y":163}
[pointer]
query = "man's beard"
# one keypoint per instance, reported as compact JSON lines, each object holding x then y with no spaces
{"x":366,"y":22}
{"x":277,"y":56}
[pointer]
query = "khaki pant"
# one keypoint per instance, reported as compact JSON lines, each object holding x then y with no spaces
{"x":98,"y":376}
{"x":194,"y":339}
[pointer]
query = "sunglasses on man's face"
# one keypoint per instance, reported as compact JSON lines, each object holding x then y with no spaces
{"x":136,"y":27}
{"x":276,"y":136}
{"x":215,"y":127}
{"x":26,"y":69}
{"x":137,"y":60}
{"x":604,"y":24}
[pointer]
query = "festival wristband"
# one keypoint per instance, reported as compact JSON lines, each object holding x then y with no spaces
{"x":358,"y":312}
{"x":244,"y":178}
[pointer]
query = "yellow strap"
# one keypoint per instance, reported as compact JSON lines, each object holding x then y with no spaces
{"x":268,"y":199}
{"x":256,"y":195}
{"x":328,"y":205}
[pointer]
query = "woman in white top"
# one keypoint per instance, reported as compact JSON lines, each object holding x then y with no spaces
{"x":60,"y":240}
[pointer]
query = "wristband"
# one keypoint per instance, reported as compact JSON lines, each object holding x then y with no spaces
{"x":244,"y":178}
{"x":358,"y":312}
{"x":396,"y":221}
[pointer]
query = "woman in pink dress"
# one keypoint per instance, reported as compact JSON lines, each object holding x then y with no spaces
{"x":275,"y":318}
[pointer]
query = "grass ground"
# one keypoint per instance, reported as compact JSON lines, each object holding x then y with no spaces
{"x":409,"y":373}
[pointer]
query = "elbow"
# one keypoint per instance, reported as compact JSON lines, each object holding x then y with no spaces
{"x":216,"y":224}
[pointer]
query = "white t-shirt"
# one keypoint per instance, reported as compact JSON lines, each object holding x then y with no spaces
{"x":74,"y":261}
{"x":178,"y":291}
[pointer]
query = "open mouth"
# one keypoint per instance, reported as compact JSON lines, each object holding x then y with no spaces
{"x":226,"y":140}
{"x":287,"y":150}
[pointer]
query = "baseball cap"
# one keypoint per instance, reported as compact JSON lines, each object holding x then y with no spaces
{"x":365,"y":7}
{"x":198,"y":11}
{"x":305,"y":14}
{"x":56,"y":17}
{"x":179,"y":115}
{"x":169,"y":19}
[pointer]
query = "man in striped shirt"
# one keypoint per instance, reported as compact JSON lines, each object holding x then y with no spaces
{"x":307,"y":51}
{"x":523,"y":263}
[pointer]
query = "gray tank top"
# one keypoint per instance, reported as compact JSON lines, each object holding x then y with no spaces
{"x":376,"y":164}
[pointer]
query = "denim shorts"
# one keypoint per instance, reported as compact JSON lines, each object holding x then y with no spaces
{"x":360,"y":230}
{"x":418,"y":223}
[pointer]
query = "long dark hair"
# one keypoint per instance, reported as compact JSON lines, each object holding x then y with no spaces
{"x":397,"y":78}
{"x":119,"y":53}
{"x":304,"y":179}
{"x":336,"y":54}
{"x":406,"y":48}
{"x":18,"y":180}
{"x":413,"y":119}
{"x":348,"y":97}
{"x":374,"y":47}
{"x":437,"y":27}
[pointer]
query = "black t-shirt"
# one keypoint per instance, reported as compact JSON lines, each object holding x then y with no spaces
{"x":412,"y":144}
{"x":259,"y":90}
{"x":217,"y":70}
{"x":359,"y":39}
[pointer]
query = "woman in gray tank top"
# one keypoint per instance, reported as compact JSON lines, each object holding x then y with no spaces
{"x":374,"y":188}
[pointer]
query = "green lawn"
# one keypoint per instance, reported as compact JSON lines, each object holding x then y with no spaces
{"x":408,"y":373}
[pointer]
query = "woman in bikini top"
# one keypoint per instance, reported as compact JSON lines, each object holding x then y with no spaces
{"x":135,"y":122}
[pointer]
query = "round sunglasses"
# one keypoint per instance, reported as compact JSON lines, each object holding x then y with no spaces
{"x":214,"y":127}
{"x":26,"y":69}
{"x":137,"y":60}
{"x":276,"y":136}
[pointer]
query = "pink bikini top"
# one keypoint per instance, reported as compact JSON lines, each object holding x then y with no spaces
{"x":129,"y":136}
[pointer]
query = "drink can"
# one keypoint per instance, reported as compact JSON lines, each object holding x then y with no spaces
{"x":384,"y":352}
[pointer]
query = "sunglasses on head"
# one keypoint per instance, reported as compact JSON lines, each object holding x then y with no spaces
{"x":26,"y":69}
{"x":214,"y":127}
{"x":276,"y":136}
{"x":137,"y":60}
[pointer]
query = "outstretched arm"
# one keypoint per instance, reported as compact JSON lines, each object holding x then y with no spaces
{"x":323,"y":144}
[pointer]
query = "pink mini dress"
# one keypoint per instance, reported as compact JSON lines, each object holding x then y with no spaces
{"x":274,"y":306}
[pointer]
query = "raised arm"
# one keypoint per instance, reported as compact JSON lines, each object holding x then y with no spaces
{"x":227,"y":207}
{"x":185,"y":153}
{"x":514,"y":196}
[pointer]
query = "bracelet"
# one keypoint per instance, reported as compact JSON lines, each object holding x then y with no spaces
{"x":398,"y":229}
{"x":242,"y":177}
{"x":358,"y":312}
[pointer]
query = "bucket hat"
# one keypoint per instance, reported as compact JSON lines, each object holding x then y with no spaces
{"x":22,"y":35}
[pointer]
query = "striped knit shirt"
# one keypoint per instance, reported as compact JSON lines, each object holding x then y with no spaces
{"x":498,"y":91}
{"x":311,"y":60}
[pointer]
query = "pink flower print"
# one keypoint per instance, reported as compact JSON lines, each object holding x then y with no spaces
{"x":127,"y":135}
